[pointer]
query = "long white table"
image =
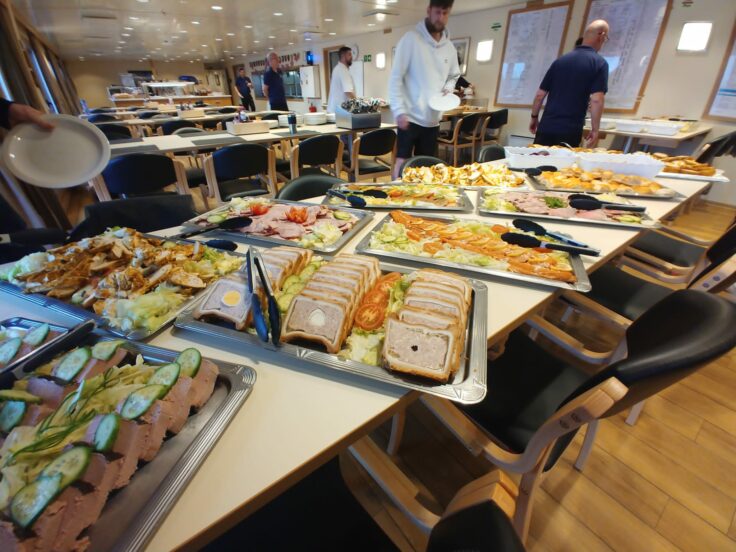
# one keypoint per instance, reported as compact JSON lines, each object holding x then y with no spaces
{"x":299,"y":417}
{"x":647,"y":138}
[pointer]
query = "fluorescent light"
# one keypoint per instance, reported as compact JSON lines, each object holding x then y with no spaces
{"x":333,"y":34}
{"x":128,"y":28}
{"x":371,"y":24}
{"x":121,"y":42}
{"x":308,"y":39}
{"x":291,"y":43}
{"x":329,"y":19}
{"x":217,"y":8}
{"x":381,"y":60}
{"x":125,"y":34}
{"x":292,"y":30}
{"x":218,"y":40}
{"x":695,"y":36}
{"x":257,"y":41}
{"x":380,"y":16}
{"x":230,"y":34}
{"x":195,"y":22}
{"x":271,"y":36}
{"x":203,"y":45}
{"x":484,"y":51}
{"x":133,"y":18}
{"x":248,"y":26}
{"x":278,"y":14}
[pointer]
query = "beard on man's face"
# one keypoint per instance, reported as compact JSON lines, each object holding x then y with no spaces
{"x":435,"y":27}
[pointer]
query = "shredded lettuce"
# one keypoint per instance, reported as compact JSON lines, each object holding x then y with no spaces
{"x":322,"y":234}
{"x":363,"y":346}
{"x":29,"y":263}
{"x":148,"y":311}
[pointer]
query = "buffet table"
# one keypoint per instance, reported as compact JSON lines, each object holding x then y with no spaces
{"x":634,"y":139}
{"x":298,"y":417}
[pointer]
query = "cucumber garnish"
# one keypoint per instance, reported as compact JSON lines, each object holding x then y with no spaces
{"x":72,"y":363}
{"x":70,"y":466}
{"x":166,"y":376}
{"x":31,"y":500}
{"x":215,"y":219}
{"x":11,"y":415}
{"x":107,"y":432}
{"x":189,"y":360}
{"x":18,"y":395}
{"x":9,"y":349}
{"x":36,"y":336}
{"x":105,"y":349}
{"x":138,"y":402}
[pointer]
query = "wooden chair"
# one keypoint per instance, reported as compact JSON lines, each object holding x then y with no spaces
{"x":316,"y":153}
{"x":536,"y":402}
{"x":239,"y":171}
{"x":462,"y":137}
{"x":140,"y":174}
{"x":492,"y":126}
{"x":372,"y":144}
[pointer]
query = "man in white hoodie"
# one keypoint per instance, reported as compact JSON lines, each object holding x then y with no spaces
{"x":425,"y":64}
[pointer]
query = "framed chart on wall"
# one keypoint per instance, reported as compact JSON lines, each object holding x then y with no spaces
{"x":722,"y":103}
{"x":534,"y":38}
{"x":636,"y":31}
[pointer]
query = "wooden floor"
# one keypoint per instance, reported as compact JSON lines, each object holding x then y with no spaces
{"x":667,"y":483}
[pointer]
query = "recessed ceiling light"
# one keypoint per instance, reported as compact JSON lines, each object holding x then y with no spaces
{"x":221,"y":59}
{"x":278,"y":14}
{"x":158,"y":48}
{"x":231,"y":57}
{"x":257,"y":41}
{"x":217,"y":8}
{"x":195,"y":22}
{"x":292,"y":30}
{"x":255,"y":52}
{"x":329,"y":19}
{"x":204,"y":45}
{"x":371,"y":24}
{"x":183,"y":31}
{"x":248,"y":26}
{"x":230,"y":34}
{"x":125,"y":34}
{"x":271,"y":36}
{"x":291,"y":43}
{"x":190,"y":61}
{"x":270,"y":48}
{"x":239,"y":46}
{"x":218,"y":39}
{"x":121,"y":42}
{"x":133,"y":18}
{"x":128,"y":28}
{"x":333,"y":34}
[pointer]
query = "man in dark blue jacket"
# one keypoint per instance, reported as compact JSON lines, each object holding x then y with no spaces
{"x":273,"y":84}
{"x":573,"y":81}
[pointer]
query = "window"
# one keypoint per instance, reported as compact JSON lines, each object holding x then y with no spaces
{"x":292,"y":84}
{"x":695,"y":36}
{"x":42,"y":82}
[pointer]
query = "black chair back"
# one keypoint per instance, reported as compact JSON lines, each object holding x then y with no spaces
{"x":240,"y":161}
{"x":147,"y":114}
{"x":228,"y":110}
{"x":102,"y":110}
{"x":187,"y":131}
{"x":319,"y":150}
{"x":145,"y":214}
{"x":138,"y":173}
{"x":493,"y":152}
{"x":498,"y":119}
{"x":211,"y":123}
{"x":420,"y":161}
{"x":309,"y":185}
{"x":170,"y":126}
{"x":270,"y":117}
{"x":469,"y":123}
{"x":115,"y":132}
{"x":101,"y":118}
{"x":377,"y":142}
{"x":718,"y":147}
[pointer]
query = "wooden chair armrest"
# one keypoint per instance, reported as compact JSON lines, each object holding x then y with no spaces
{"x":400,"y":489}
{"x":208,"y":165}
{"x":182,"y":185}
{"x":665,"y":267}
{"x":682,"y":235}
{"x":567,"y":342}
{"x":494,"y":486}
{"x":294,"y":163}
{"x":653,"y":271}
{"x":596,"y":309}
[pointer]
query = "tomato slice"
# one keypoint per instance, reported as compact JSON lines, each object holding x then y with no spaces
{"x":386,"y":283}
{"x":376,"y":297}
{"x":297,"y":214}
{"x":259,"y":208}
{"x":370,"y":317}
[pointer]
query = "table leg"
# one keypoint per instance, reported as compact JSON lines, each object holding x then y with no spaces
{"x":627,"y":146}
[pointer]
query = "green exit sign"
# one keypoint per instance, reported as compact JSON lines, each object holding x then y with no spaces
{"x":367,"y":57}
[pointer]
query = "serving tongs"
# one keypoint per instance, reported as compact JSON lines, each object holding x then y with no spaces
{"x":525,"y":240}
{"x":353,"y":196}
{"x":259,"y":322}
{"x":234,"y":223}
{"x":586,"y":202}
{"x":274,"y":315}
{"x":527,"y":225}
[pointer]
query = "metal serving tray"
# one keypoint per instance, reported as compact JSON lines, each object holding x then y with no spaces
{"x":465,"y":205}
{"x":539,"y":185}
{"x":582,"y":284}
{"x":270,"y":241}
{"x":81,"y":314}
{"x":26,"y":325}
{"x":468,"y":385}
{"x":132,"y":514}
{"x":647,"y":224}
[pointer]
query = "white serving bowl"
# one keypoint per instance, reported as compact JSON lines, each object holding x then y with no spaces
{"x":524,"y":158}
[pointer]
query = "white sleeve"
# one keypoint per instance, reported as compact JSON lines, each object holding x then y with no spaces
{"x":347,"y":81}
{"x":454,"y":73}
{"x":396,"y":81}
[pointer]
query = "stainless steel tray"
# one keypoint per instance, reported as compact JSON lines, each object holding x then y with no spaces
{"x":465,"y":205}
{"x":582,"y":284}
{"x":468,"y":385}
{"x":539,"y":185}
{"x":27,"y":325}
{"x":647,"y":222}
{"x":269,"y":241}
{"x":132,"y":515}
{"x":82,"y":314}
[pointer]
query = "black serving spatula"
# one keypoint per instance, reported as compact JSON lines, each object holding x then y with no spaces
{"x":274,"y":315}
{"x":227,"y":224}
{"x":530,"y":226}
{"x":525,"y":240}
{"x":592,"y":204}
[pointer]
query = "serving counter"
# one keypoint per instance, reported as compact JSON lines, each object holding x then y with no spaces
{"x":219,"y":100}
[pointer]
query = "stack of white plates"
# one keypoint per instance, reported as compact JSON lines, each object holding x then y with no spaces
{"x":284,"y":120}
{"x":330,"y":117}
{"x":318,"y":118}
{"x":271,"y":123}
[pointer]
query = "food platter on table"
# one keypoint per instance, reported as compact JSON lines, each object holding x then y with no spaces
{"x":473,"y":176}
{"x":398,"y":195}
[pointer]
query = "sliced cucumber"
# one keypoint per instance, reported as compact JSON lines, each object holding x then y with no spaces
{"x":18,"y":395}
{"x":70,"y":465}
{"x":36,"y":336}
{"x":107,"y":432}
{"x":189,"y":360}
{"x":105,"y":349}
{"x":9,"y":349}
{"x":342,"y":215}
{"x":293,"y":279}
{"x":72,"y":363}
{"x":215,"y":219}
{"x":166,"y":376}
{"x":31,"y":500}
{"x":284,"y":301}
{"x":138,"y":402}
{"x":11,"y":415}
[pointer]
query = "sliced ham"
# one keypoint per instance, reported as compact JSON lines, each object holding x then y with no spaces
{"x":596,"y":214}
{"x":565,"y":212}
{"x":289,"y":230}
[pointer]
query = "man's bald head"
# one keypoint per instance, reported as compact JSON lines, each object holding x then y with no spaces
{"x":596,"y":34}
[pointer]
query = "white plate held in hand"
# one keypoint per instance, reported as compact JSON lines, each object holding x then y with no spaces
{"x":71,"y":154}
{"x":444,"y":102}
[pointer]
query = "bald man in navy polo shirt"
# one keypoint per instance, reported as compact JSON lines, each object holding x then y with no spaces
{"x":572,"y":82}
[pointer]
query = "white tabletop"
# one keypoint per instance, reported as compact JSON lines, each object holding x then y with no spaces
{"x":660,"y":139}
{"x":297,"y":418}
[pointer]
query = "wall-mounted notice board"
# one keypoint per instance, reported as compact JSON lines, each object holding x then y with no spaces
{"x":534,"y":38}
{"x":722,"y":103}
{"x":636,"y":29}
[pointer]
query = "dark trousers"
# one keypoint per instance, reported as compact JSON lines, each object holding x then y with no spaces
{"x":417,"y":140}
{"x":557,"y":139}
{"x":279,"y":106}
{"x":248,"y":103}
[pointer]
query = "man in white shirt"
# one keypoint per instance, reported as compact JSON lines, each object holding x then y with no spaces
{"x":425,"y":64}
{"x":342,"y":86}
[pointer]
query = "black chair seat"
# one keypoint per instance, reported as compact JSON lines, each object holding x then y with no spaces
{"x":623,"y":293}
{"x":482,"y":527}
{"x":526,"y":385}
{"x":283,"y":165}
{"x":241,"y":187}
{"x":369,"y":166}
{"x":669,"y":249}
{"x":195,"y":177}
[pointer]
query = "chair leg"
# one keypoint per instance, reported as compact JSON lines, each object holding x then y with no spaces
{"x":397,"y":432}
{"x":634,"y":413}
{"x":588,"y":443}
{"x":529,"y":483}
{"x":203,"y":190}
